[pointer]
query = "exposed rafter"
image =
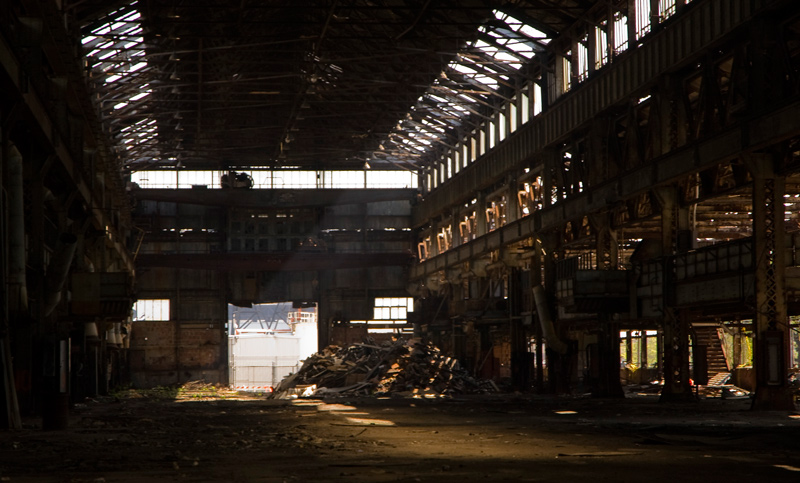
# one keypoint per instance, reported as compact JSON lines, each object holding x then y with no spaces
{"x":243,"y":83}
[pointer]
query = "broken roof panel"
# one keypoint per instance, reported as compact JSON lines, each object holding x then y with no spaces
{"x":217,"y":84}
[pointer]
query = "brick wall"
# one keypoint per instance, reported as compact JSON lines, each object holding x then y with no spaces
{"x":199,"y":351}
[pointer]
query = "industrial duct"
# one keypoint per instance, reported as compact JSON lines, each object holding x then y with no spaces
{"x":57,"y":271}
{"x":546,"y":322}
{"x":18,"y":289}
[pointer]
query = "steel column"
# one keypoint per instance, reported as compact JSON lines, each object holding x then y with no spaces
{"x":771,"y":318}
{"x":609,"y":384}
{"x":675,"y":323}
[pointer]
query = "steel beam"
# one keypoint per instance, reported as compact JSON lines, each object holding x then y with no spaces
{"x":733,"y":142}
{"x":273,"y":262}
{"x":274,"y":198}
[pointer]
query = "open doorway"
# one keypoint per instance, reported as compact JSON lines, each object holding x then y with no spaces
{"x":267,"y":342}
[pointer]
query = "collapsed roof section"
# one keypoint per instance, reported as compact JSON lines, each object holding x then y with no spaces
{"x":217,"y":84}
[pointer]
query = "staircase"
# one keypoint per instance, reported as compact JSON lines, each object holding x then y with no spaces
{"x":709,"y":337}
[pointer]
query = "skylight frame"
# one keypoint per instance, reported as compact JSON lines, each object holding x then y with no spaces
{"x":483,"y":68}
{"x":121,"y":76}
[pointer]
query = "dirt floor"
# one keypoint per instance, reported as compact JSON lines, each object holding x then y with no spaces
{"x":213,"y":435}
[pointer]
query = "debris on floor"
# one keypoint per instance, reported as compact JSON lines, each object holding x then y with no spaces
{"x":404,"y":367}
{"x":724,"y":391}
{"x":717,"y":387}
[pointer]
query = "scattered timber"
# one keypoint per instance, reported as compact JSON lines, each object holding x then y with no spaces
{"x":401,"y":367}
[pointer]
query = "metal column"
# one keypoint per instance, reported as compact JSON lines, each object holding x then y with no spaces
{"x":675,"y":323}
{"x":771,"y":318}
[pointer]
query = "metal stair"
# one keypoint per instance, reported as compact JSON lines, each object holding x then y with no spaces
{"x":709,"y":337}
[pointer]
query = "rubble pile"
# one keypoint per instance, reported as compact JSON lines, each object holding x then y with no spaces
{"x":397,"y":367}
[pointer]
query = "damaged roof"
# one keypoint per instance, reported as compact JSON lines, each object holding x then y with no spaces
{"x":336,"y":84}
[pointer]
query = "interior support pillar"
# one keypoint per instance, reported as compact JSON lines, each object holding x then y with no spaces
{"x":512,"y":204}
{"x":677,"y":386}
{"x":43,"y":331}
{"x":224,"y":356}
{"x":606,"y":244}
{"x":771,"y":348}
{"x":606,"y":252}
{"x":481,"y":227}
{"x":608,"y":341}
{"x":558,"y":365}
{"x":685,"y":228}
{"x":455,"y":227}
{"x":536,"y":279}
{"x":675,"y":323}
{"x":9,"y":402}
{"x":643,"y":362}
{"x":519,"y":360}
{"x":324,"y":312}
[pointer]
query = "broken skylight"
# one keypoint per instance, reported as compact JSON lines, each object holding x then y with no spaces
{"x":466,"y":87}
{"x":115,"y":56}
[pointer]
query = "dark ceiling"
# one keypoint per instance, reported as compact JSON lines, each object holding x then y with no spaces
{"x":312,"y":84}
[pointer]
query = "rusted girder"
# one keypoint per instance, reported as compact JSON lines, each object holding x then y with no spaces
{"x":275,"y":197}
{"x":274,"y":262}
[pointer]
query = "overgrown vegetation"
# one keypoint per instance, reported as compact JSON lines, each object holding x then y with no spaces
{"x":190,"y":390}
{"x":158,"y":392}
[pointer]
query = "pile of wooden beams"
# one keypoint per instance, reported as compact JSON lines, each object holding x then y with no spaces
{"x":404,"y":367}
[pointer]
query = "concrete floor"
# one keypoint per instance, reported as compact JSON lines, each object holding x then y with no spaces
{"x":226,"y":437}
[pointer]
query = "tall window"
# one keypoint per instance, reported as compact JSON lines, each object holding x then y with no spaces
{"x":620,"y":32}
{"x":666,"y":8}
{"x":566,"y":72}
{"x":537,"y":99}
{"x":513,"y":119}
{"x":583,"y":60}
{"x":525,"y":109}
{"x":600,"y":47}
{"x":642,"y":18}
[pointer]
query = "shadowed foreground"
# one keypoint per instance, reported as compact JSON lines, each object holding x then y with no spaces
{"x":220,"y":436}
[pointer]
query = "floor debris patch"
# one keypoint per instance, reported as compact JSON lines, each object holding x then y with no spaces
{"x":598,"y":454}
{"x":402,"y":367}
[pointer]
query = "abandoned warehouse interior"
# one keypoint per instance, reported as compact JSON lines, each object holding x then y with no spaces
{"x":567,"y":197}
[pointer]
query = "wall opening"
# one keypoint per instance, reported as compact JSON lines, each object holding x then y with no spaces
{"x":267,"y":342}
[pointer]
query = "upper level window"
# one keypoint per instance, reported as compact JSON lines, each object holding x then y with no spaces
{"x":583,"y":60}
{"x":620,"y":32}
{"x":600,"y":46}
{"x":666,"y":8}
{"x":393,"y":308}
{"x":151,"y":309}
{"x":642,"y":18}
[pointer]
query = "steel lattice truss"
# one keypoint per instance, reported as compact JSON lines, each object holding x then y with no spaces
{"x":212,"y":84}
